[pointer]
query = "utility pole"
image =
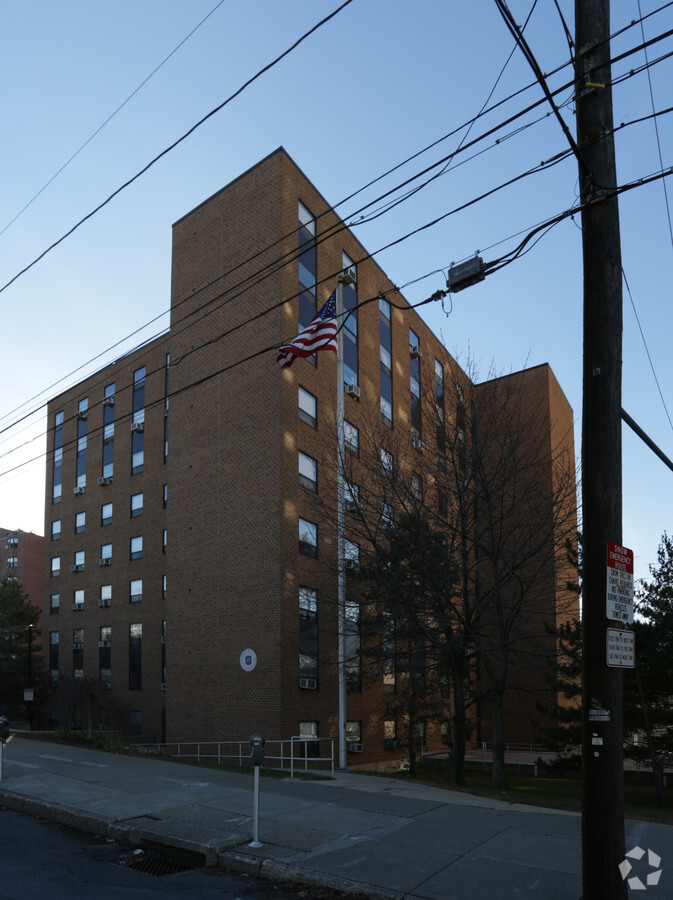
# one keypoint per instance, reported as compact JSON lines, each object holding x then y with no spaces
{"x":602,"y":718}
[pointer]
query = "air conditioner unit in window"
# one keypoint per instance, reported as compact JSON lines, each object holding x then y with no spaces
{"x":138,"y":426}
{"x":309,"y":684}
{"x":105,"y":560}
{"x":415,"y":351}
{"x":353,"y":565}
{"x":109,"y":401}
{"x":77,"y":646}
{"x":348,"y":275}
{"x":77,"y":606}
{"x":354,"y":748}
{"x":104,"y":643}
{"x":77,"y":568}
{"x":81,"y":414}
{"x":105,"y":602}
{"x":352,"y":506}
{"x":163,"y":685}
{"x":353,"y":391}
{"x":106,"y":479}
{"x":418,"y":445}
{"x":79,"y":490}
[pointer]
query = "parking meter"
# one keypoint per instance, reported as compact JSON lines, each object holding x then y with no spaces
{"x":257,"y":749}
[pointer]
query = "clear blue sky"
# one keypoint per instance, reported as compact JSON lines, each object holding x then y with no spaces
{"x":378,"y":83}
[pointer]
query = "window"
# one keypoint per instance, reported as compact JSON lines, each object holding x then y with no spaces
{"x":78,"y":601}
{"x":105,"y":595}
{"x":164,"y":541}
{"x":136,"y":721}
{"x":56,"y":530}
{"x":78,"y":653}
{"x":307,"y":268}
{"x":12,"y":562}
{"x":104,"y":655}
{"x":308,"y":472}
{"x":387,"y":517}
{"x":136,"y":505}
{"x":53,"y":655}
{"x":439,"y":416}
{"x":350,"y":327}
{"x":390,"y":734}
{"x":136,"y":590}
{"x":417,"y":486}
{"x":55,"y":566}
{"x":308,"y":408}
{"x":351,"y":438}
{"x":165,"y":496}
{"x":353,"y":732}
{"x":442,"y":504}
{"x":351,"y":497}
{"x":106,"y":514}
{"x":352,"y":647}
{"x":166,"y":382}
{"x":308,"y":636}
{"x":309,"y":730}
{"x":135,"y":656}
{"x":80,"y":459}
{"x":57,"y":471}
{"x":80,"y":522}
{"x":352,"y":555}
{"x":385,"y":357}
{"x":308,"y":538}
{"x":415,"y":386}
{"x":54,"y":604}
{"x":138,"y":422}
{"x":79,"y":559}
{"x":386,"y":463}
{"x":163,"y":587}
{"x":108,"y":431}
{"x":105,"y":553}
{"x":137,"y":547}
{"x":388,"y":647}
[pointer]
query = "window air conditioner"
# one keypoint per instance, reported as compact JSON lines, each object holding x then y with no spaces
{"x":105,"y":560}
{"x":79,"y":490}
{"x":352,"y":506}
{"x":353,"y":565}
{"x":353,"y":391}
{"x":105,"y":479}
{"x":418,"y":445}
{"x":109,"y":401}
{"x":104,"y":643}
{"x":138,"y":426}
{"x":415,"y":351}
{"x":77,"y":646}
{"x":354,"y":748}
{"x":309,"y":684}
{"x":163,"y":685}
{"x":104,"y":602}
{"x":77,"y":568}
{"x":348,"y":276}
{"x":76,"y":607}
{"x":81,"y":414}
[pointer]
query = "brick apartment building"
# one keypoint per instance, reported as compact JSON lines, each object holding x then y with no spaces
{"x":21,"y":555}
{"x":190,"y":485}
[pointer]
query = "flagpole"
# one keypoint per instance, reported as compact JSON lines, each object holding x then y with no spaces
{"x":341,"y":523}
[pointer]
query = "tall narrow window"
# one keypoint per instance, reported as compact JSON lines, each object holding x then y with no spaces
{"x":385,"y":356}
{"x":53,"y":655}
{"x":108,"y":431}
{"x":80,"y":465}
{"x":388,"y":641}
{"x":308,"y":408}
{"x":104,"y":655}
{"x":307,"y":269}
{"x":352,"y":651}
{"x":308,"y":637}
{"x":415,"y":387}
{"x":308,"y":537}
{"x":308,"y":472}
{"x":135,"y":656}
{"x":163,"y":652}
{"x":439,"y":416}
{"x":78,"y":653}
{"x":168,"y":361}
{"x":138,"y":423}
{"x":350,"y":329}
{"x":57,"y":472}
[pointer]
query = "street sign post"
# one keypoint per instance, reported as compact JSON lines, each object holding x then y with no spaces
{"x":619,"y":596}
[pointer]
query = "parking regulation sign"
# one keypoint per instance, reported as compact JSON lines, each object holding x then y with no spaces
{"x":619,"y":596}
{"x":620,"y":648}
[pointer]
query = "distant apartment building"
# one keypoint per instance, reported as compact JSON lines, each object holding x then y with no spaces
{"x":190,"y":496}
{"x":21,"y":555}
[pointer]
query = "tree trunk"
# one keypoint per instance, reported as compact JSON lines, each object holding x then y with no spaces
{"x":499,"y":780}
{"x":457,"y":755}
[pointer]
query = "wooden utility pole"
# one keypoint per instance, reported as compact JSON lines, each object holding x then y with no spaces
{"x":602,"y":727}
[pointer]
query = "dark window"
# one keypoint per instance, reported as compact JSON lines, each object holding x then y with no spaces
{"x":308,"y":633}
{"x":135,"y":657}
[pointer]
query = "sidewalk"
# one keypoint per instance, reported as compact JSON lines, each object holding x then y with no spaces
{"x":355,"y":833}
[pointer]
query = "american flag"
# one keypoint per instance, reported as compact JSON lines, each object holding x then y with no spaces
{"x":319,"y":334}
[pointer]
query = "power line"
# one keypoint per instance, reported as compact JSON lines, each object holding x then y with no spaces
{"x":168,"y":149}
{"x":109,"y":118}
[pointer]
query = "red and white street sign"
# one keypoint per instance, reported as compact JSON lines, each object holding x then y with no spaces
{"x":619,"y":596}
{"x":621,"y":648}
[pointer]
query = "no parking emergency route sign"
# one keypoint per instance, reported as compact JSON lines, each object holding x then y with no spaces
{"x":620,"y":644}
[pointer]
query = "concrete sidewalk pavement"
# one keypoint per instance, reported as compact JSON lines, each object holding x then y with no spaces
{"x":355,"y":833}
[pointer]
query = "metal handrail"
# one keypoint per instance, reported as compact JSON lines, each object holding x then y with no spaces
{"x":280,"y":752}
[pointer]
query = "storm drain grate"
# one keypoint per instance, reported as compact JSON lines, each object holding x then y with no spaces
{"x":155,"y":864}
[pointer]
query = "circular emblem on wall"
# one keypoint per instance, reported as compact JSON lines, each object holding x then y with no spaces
{"x":248,"y":660}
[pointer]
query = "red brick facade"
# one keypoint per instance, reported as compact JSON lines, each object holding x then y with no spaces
{"x":232,"y":562}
